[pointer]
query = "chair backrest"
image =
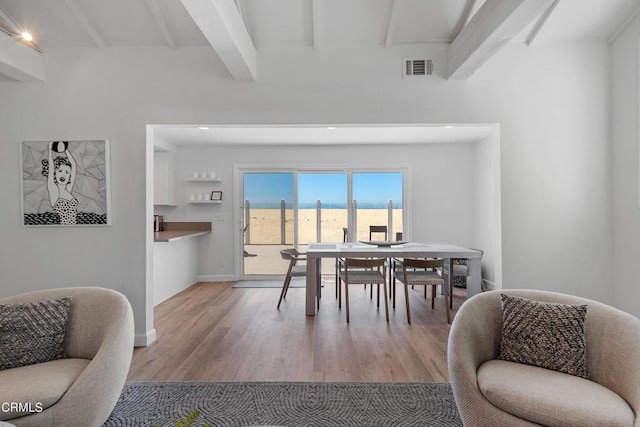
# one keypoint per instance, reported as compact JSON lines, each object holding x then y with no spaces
{"x":290,"y":254}
{"x":364,"y":263}
{"x":422,"y":263}
{"x":345,"y":234}
{"x":398,"y":236}
{"x":378,"y":229}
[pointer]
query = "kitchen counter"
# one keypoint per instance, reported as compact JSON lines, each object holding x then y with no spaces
{"x":181,"y":230}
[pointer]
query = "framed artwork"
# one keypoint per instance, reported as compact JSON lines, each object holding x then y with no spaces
{"x":216,"y":195}
{"x":65,"y":183}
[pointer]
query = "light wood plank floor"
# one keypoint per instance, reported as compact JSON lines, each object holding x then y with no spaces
{"x":214,"y":332}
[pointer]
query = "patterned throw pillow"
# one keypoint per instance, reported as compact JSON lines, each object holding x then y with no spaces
{"x":32,"y":332}
{"x":548,"y":335}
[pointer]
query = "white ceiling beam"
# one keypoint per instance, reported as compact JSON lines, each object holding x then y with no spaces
{"x":317,"y":22}
{"x":158,"y":16}
{"x":495,"y":23}
{"x":541,"y":21}
{"x":8,"y":20}
{"x":393,"y":22}
{"x":93,"y":32}
{"x":19,"y":61}
{"x":628,"y":20}
{"x":464,"y":18}
{"x":222,"y":26}
{"x":243,"y":12}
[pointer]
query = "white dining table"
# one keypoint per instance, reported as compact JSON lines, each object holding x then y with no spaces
{"x":316,"y":251}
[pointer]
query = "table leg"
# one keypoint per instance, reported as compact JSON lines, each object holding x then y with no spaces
{"x":313,"y":273}
{"x":474,"y":282}
{"x":447,"y":286}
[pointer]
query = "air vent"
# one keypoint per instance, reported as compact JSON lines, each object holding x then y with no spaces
{"x":418,"y":67}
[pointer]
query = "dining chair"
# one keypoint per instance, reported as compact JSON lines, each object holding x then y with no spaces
{"x":294,"y":270}
{"x":460,"y":270}
{"x":377,"y":229}
{"x":345,"y":238}
{"x":423,"y":272}
{"x":356,"y":271}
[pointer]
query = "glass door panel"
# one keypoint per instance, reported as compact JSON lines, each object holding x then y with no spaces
{"x":322,"y":209}
{"x":377,"y":202}
{"x":268,"y":224}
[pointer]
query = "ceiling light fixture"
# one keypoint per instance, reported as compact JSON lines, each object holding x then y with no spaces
{"x":203,"y":128}
{"x":448,"y":127}
{"x":331,"y":128}
{"x":26,"y":36}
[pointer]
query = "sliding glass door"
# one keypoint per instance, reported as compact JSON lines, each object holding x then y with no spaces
{"x":294,"y":208}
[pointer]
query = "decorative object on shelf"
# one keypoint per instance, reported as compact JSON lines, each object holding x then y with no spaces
{"x":216,"y":195}
{"x":65,"y":183}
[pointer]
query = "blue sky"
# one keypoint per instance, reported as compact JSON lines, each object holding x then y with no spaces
{"x":370,"y":189}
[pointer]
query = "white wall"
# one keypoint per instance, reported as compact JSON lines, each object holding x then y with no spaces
{"x":487,"y":212}
{"x":442,"y":201}
{"x":550,"y":100}
{"x":626,"y":139}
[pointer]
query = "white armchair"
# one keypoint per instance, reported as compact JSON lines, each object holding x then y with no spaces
{"x":492,"y":392}
{"x":82,"y":389}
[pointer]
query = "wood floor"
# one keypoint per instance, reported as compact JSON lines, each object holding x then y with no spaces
{"x":214,"y":332}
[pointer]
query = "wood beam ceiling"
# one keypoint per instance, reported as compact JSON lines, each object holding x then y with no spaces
{"x":541,"y":21}
{"x":224,"y":29}
{"x":393,"y":22}
{"x":495,"y":23}
{"x":464,"y":18}
{"x":19,"y":61}
{"x":89,"y":27}
{"x":158,"y":16}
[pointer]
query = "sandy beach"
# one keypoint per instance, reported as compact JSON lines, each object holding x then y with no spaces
{"x":265,"y":233}
{"x":265,"y":225}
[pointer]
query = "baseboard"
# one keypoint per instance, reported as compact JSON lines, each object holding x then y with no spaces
{"x":143,"y":340}
{"x":488,"y":285}
{"x":217,"y":278}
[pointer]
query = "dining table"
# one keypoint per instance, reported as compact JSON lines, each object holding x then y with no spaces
{"x":376,"y":249}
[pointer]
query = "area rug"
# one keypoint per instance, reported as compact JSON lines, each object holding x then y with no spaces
{"x":286,"y":404}
{"x":295,"y":283}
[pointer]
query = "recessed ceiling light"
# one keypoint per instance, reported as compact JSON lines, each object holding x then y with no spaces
{"x":26,"y":36}
{"x":203,"y":128}
{"x":448,"y":127}
{"x":331,"y":128}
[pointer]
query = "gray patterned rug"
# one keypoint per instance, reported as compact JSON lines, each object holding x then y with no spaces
{"x":286,"y":404}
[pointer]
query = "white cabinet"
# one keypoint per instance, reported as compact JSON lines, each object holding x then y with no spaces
{"x":164,"y":178}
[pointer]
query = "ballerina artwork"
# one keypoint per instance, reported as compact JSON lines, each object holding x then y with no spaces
{"x":65,"y":183}
{"x":61,"y":175}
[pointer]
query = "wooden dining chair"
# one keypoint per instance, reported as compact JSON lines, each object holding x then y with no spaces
{"x":294,"y":270}
{"x":377,"y":229}
{"x":423,"y":272}
{"x":356,"y":271}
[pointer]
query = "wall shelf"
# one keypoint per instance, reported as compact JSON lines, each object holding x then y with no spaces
{"x":203,"y":179}
{"x":211,"y":202}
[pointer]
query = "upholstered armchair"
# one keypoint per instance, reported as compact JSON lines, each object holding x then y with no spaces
{"x":492,"y":392}
{"x":83,"y":388}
